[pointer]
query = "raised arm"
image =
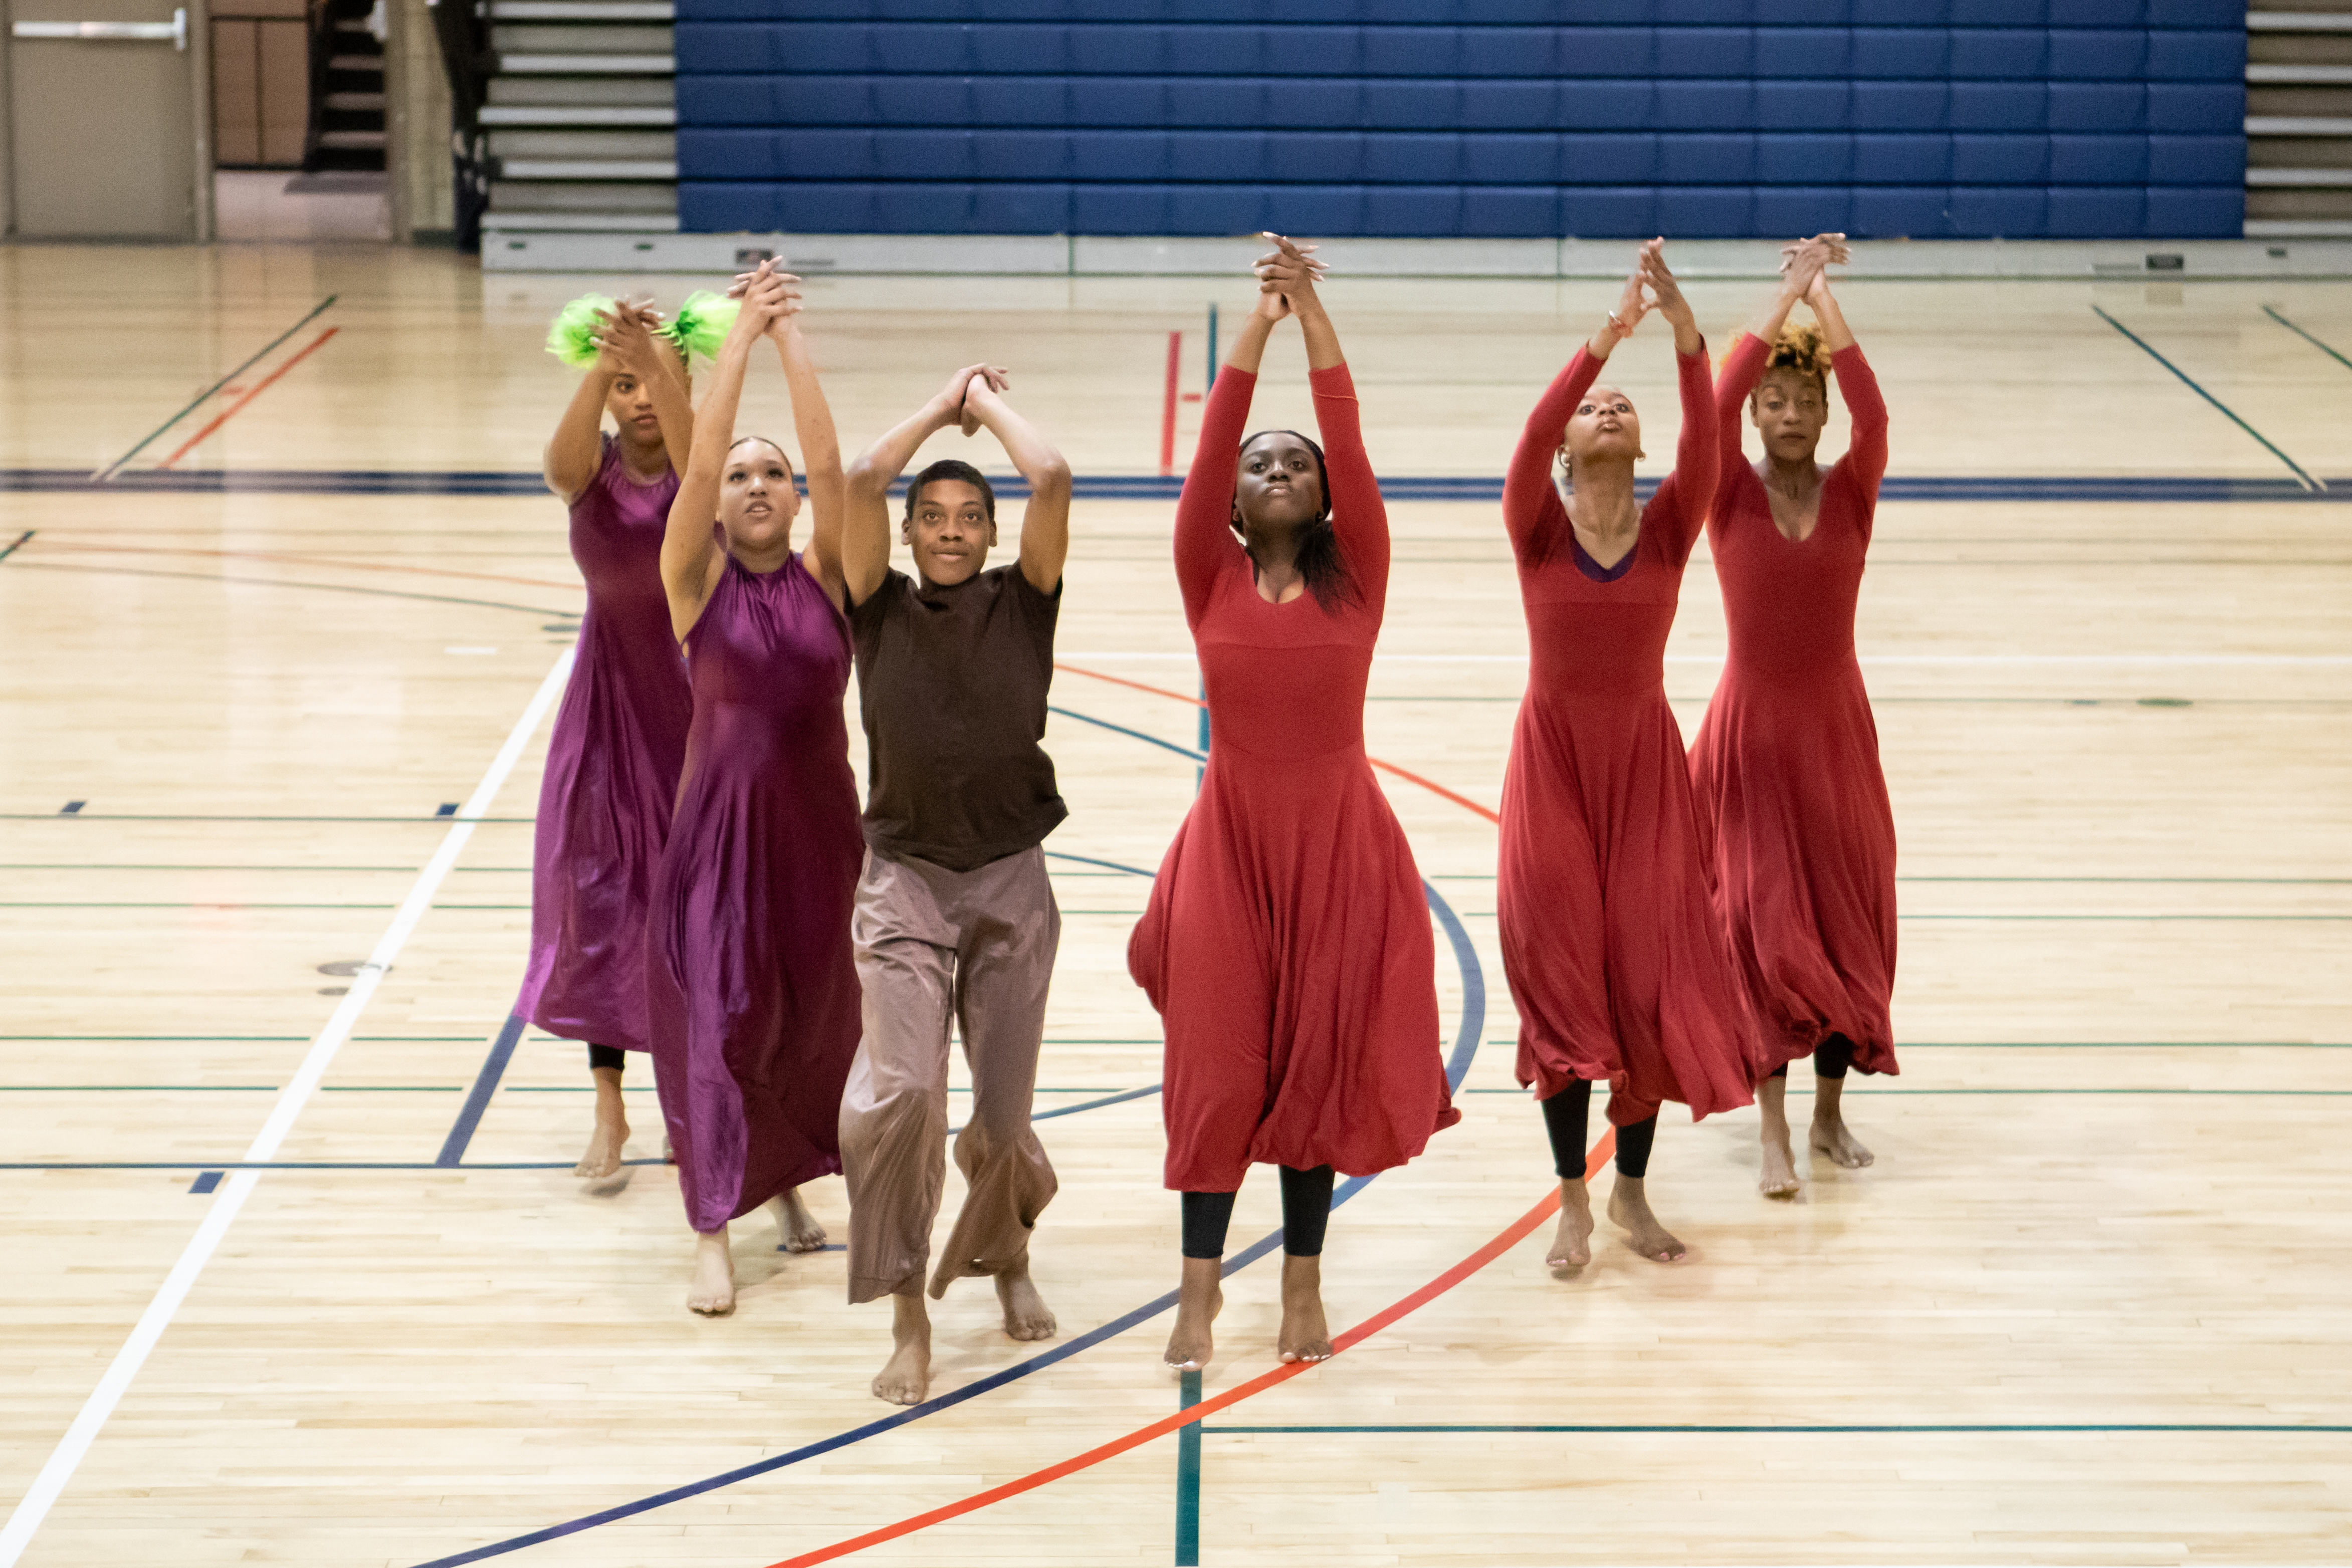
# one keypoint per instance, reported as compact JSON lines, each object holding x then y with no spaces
{"x":1531,"y":508}
{"x":691,"y":559}
{"x":1865,"y":456}
{"x":820,"y":455}
{"x":866,"y":519}
{"x":1682,"y":502}
{"x":577,"y":448}
{"x":1204,"y":538}
{"x":1045,"y":525}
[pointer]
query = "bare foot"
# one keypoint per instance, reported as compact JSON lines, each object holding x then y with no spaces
{"x":906,"y":1377}
{"x":712,"y":1293}
{"x":1630,"y":1207}
{"x":611,"y":1134}
{"x":1835,"y":1139}
{"x":1572,"y":1244}
{"x":1197,"y":1301}
{"x":1305,"y":1335}
{"x":794,"y":1223}
{"x":1778,"y":1176}
{"x":1026,"y":1316}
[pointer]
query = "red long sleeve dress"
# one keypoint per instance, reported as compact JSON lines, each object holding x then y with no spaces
{"x":1610,"y":940}
{"x":1786,"y":764}
{"x":1288,"y":944}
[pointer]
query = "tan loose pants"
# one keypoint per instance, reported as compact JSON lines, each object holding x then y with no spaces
{"x":932,"y":944}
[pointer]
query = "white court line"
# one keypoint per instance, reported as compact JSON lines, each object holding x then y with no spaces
{"x":230,"y":1197}
{"x":2329,"y":660}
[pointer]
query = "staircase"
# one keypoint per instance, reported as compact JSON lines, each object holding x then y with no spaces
{"x":351,"y":106}
{"x":580,"y":116}
{"x":2299,"y":120}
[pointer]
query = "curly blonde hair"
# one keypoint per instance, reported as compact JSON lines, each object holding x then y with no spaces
{"x":1800,"y":350}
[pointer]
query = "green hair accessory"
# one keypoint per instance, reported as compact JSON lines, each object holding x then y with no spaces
{"x":701,"y":324}
{"x":571,"y":336}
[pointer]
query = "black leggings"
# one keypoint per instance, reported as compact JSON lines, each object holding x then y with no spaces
{"x":1565,"y":1116}
{"x":1830,"y":1059}
{"x":610,"y":1056}
{"x":1306,"y":1216}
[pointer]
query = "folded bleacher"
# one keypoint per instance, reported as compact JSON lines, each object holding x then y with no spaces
{"x":1931,"y":119}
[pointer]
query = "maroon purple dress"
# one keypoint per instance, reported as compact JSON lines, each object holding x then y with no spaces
{"x":749,"y":977}
{"x":612,"y":772}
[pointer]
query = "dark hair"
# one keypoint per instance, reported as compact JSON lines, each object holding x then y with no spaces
{"x":1325,"y":575}
{"x":773,"y":446}
{"x":1801,"y":349}
{"x":951,"y":468}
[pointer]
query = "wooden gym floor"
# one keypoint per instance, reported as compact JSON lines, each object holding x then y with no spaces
{"x":2087,"y":1308}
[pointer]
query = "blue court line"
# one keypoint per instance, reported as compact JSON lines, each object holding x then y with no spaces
{"x":1458,"y":1068}
{"x":1440,"y":1427}
{"x":2275,"y":314}
{"x":2228,"y":413}
{"x":12,"y":545}
{"x":1152,"y":487}
{"x":1183,"y":751}
{"x":478,"y":1099}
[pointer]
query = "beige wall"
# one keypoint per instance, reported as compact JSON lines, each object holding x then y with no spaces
{"x":416,"y":124}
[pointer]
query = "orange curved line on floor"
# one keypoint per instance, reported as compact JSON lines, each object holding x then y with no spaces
{"x":310,"y":561}
{"x":1431,"y":785}
{"x":1510,"y":1237}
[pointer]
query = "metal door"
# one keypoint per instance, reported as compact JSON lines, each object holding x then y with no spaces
{"x":102,"y":115}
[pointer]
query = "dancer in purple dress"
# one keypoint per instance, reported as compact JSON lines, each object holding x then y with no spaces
{"x":750,"y":981}
{"x":620,"y":736}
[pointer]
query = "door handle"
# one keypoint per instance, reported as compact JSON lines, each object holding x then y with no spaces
{"x":175,"y":31}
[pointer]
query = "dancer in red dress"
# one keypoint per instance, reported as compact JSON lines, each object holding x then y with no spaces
{"x":1786,"y":765}
{"x":1288,"y":943}
{"x":1613,"y":950}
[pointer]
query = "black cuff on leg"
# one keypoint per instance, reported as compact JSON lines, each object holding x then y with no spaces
{"x":1633,"y":1148}
{"x":1206,"y":1216}
{"x":1833,"y":1057}
{"x":1566,"y":1115}
{"x":1306,"y":1210}
{"x":610,"y":1056}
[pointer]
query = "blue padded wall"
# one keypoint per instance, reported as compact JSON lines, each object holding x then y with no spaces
{"x":1931,"y":119}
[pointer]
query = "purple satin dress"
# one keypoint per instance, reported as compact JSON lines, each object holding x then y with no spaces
{"x":612,"y":772}
{"x":749,"y":977}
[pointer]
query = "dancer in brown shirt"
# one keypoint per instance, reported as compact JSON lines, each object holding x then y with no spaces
{"x":955,"y":919}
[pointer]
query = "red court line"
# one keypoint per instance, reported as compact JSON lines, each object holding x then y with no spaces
{"x":1510,"y":1237}
{"x":1434,"y":787}
{"x":1168,"y":410}
{"x":259,"y":387}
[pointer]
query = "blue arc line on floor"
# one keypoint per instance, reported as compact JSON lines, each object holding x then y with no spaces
{"x":1438,"y":1428}
{"x":2186,"y":487}
{"x":1457,"y":1067}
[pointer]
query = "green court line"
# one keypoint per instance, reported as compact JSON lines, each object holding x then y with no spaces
{"x":2273,"y":313}
{"x":2057,"y":880}
{"x":148,"y":440}
{"x":2101,"y":1044}
{"x":2043,"y":919}
{"x":2308,"y":482}
{"x":1873,"y":1092}
{"x":1678,"y":1428}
